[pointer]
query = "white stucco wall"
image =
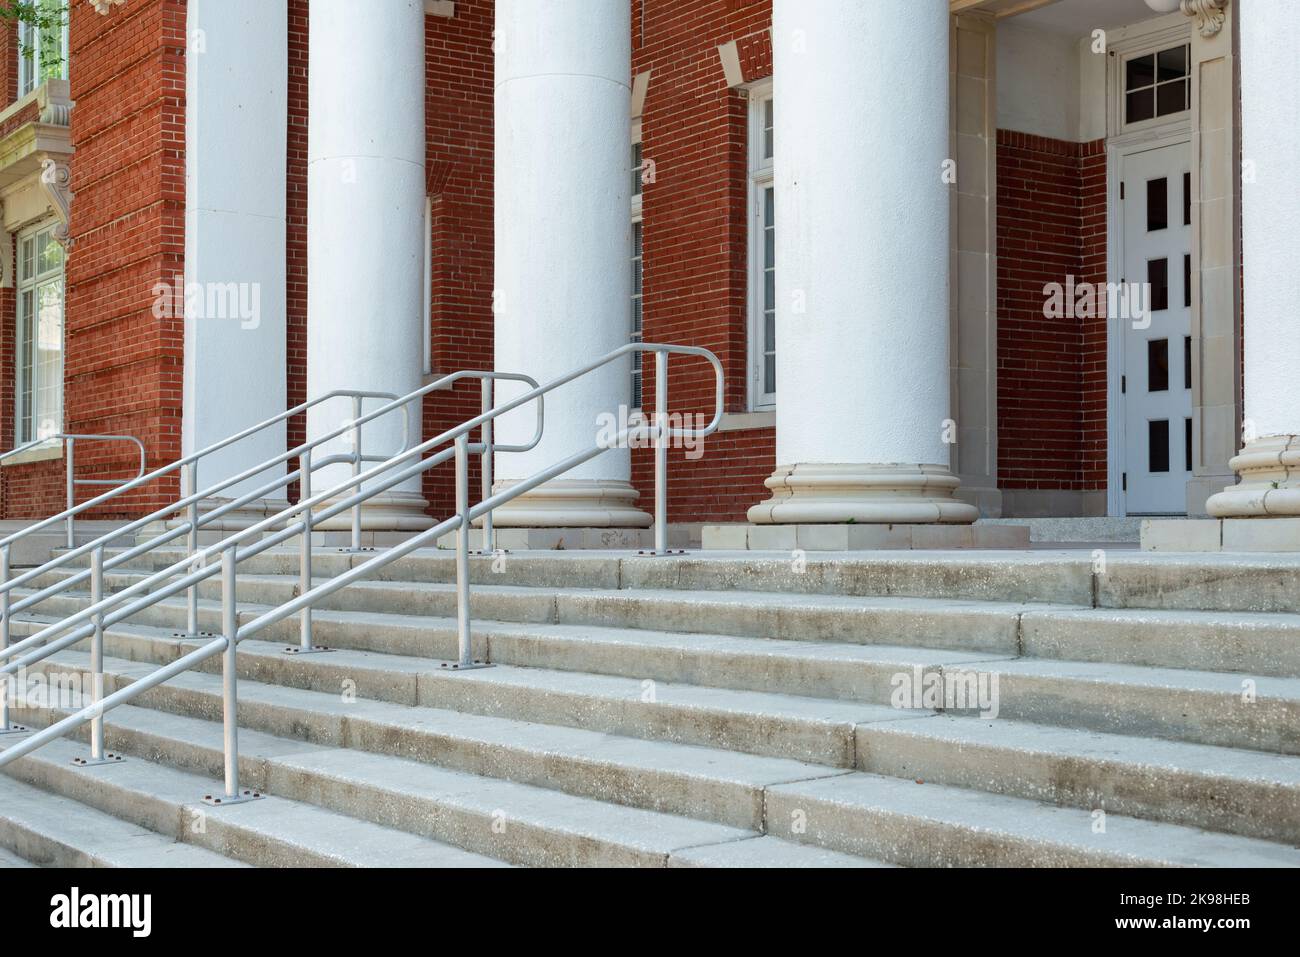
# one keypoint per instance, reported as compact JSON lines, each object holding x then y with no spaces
{"x":1050,"y":84}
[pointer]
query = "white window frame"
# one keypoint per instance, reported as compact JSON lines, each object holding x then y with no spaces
{"x":31,"y":74}
{"x":29,"y":381}
{"x":761,"y":178}
{"x":636,"y":392}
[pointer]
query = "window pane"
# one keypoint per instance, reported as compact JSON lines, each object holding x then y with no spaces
{"x":1158,"y":445}
{"x":1158,"y":277}
{"x":1158,"y":365}
{"x":1140,"y":106}
{"x":1187,"y":443}
{"x":1187,"y":362}
{"x":1187,"y":199}
{"x":636,"y":169}
{"x":1172,"y":64}
{"x":1171,"y":98}
{"x":769,"y":130}
{"x":48,"y":398}
{"x":1187,"y":280}
{"x":638,"y":319}
{"x":1157,"y":204}
{"x":1140,"y":71}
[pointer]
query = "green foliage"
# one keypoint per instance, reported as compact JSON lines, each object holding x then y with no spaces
{"x":47,"y":18}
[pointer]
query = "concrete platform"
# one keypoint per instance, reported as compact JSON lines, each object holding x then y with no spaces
{"x":564,"y":539}
{"x":1221,"y":535}
{"x":855,"y":538}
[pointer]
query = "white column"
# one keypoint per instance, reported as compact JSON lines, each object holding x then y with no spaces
{"x":563,"y":242}
{"x":233,"y":294}
{"x":365,"y":222}
{"x":1269,"y":464}
{"x":862,"y":264}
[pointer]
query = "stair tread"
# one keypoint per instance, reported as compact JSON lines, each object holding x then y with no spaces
{"x":12,"y":860}
{"x":344,"y":839}
{"x":1124,"y":838}
{"x":104,"y":839}
{"x":768,"y":852}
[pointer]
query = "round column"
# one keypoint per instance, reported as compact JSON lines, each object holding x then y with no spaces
{"x":563,"y":247}
{"x":365,"y":230}
{"x":1269,"y":464}
{"x":861,"y":102}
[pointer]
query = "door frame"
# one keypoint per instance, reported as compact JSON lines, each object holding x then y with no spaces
{"x":1150,"y":36}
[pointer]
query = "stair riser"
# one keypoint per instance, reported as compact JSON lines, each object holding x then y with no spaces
{"x":1253,"y":808}
{"x":1250,"y":649}
{"x":920,"y":842}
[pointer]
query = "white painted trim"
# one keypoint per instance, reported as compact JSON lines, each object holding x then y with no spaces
{"x":1134,"y":40}
{"x":759,"y":177}
{"x":1116,"y":456}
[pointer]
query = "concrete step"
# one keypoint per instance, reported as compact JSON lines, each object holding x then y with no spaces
{"x":515,"y":822}
{"x":1106,"y":578}
{"x":162,"y":806}
{"x":1217,"y":789}
{"x":37,"y":827}
{"x":818,"y":731}
{"x":725,"y":787}
{"x":1241,"y":792}
{"x":10,"y":860}
{"x":767,"y":852}
{"x":922,"y":824}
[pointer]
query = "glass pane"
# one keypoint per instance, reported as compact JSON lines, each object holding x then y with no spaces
{"x":636,"y":169}
{"x":50,"y":255}
{"x":48,"y":376}
{"x":1187,"y":362}
{"x":1158,"y":278}
{"x":1158,"y":365}
{"x":1139,"y":72}
{"x":1187,"y":199}
{"x":1171,"y":98}
{"x":1157,"y":204}
{"x":769,"y":130}
{"x":1187,"y":281}
{"x":1187,"y":444}
{"x":1158,"y":445}
{"x":769,"y":374}
{"x":27,"y":268}
{"x":1172,"y":64}
{"x":1140,"y":106}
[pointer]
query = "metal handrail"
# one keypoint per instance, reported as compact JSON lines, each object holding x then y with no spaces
{"x":71,"y":481}
{"x":101,"y":614}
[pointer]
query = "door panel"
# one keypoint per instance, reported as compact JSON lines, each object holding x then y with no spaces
{"x":1156,"y":240}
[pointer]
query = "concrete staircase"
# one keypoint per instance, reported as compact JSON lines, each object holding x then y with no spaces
{"x":713,"y":710}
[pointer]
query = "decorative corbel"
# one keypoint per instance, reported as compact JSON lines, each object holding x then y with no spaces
{"x":1209,"y":15}
{"x":56,"y":180}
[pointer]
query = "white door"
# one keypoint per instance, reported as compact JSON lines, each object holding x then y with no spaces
{"x":1157,"y":378}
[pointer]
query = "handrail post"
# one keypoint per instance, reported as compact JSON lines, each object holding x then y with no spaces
{"x":189,"y":488}
{"x":305,"y":645}
{"x":9,"y":682}
{"x":97,"y":653}
{"x":489,"y":530}
{"x":661,"y":453}
{"x":356,"y":470}
{"x":229,"y":689}
{"x":69,"y":454}
{"x":465,"y":653}
{"x":97,"y":753}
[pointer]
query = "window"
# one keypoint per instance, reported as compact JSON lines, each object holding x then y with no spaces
{"x":1157,"y":84}
{"x":762,"y":273}
{"x":638,"y":326}
{"x":38,"y":405}
{"x":43,"y":47}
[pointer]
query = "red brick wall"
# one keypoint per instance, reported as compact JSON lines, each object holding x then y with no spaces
{"x":296,"y":228}
{"x":694,"y":129}
{"x":123,"y":366}
{"x":1051,"y":371}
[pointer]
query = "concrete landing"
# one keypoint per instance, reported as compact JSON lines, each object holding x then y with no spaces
{"x":856,"y":538}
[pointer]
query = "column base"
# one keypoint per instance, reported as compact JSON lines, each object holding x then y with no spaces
{"x":389,"y":512}
{"x":573,"y":503}
{"x":870,"y":494}
{"x":1269,"y":469}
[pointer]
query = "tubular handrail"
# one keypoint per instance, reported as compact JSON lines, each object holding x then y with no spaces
{"x":195,"y":457}
{"x":192,"y":497}
{"x":101,"y":613}
{"x":71,"y":482}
